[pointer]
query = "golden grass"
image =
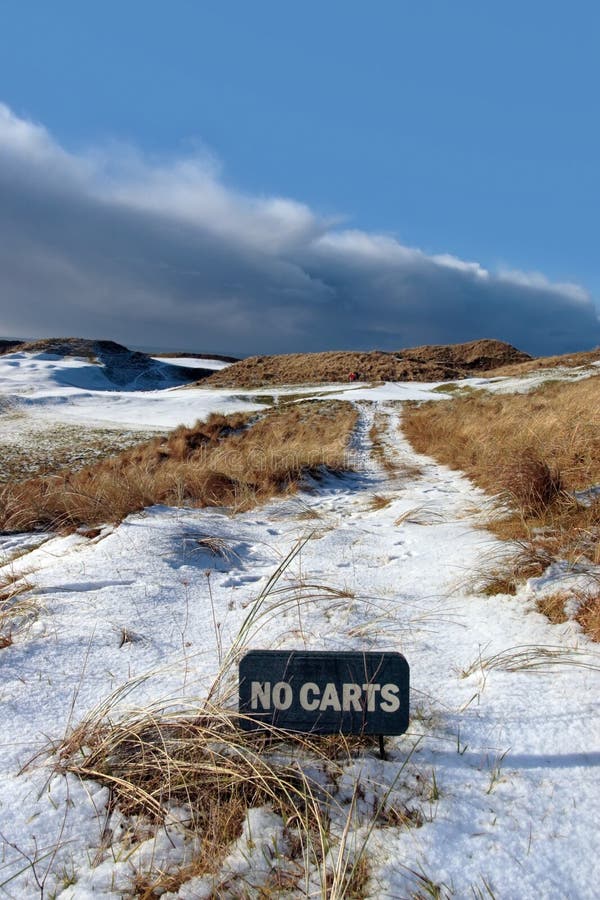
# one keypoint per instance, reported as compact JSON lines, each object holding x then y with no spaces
{"x":486,"y":435}
{"x":588,"y":614}
{"x":380,"y":501}
{"x":535,"y":450}
{"x":226,"y":461}
{"x":214,"y":770}
{"x":566,"y":360}
{"x":427,"y":363}
{"x":17,"y":610}
{"x":553,"y":607}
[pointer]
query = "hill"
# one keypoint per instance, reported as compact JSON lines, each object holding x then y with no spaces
{"x":427,"y":363}
{"x":564,"y":361}
{"x":8,"y":346}
{"x":115,"y":366}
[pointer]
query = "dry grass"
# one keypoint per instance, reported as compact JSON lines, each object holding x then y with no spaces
{"x":553,"y":607}
{"x":17,"y":609}
{"x":217,"y":772}
{"x":499,"y":583}
{"x":428,"y":363}
{"x":535,"y":450}
{"x":551,"y":434}
{"x":588,"y":613}
{"x":226,"y":461}
{"x":566,"y":360}
{"x":380,"y":501}
{"x":206,"y":765}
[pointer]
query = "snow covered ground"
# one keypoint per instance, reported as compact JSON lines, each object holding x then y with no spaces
{"x":501,"y":758}
{"x":192,"y":362}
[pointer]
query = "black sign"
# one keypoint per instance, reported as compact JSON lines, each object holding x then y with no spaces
{"x":325,"y":692}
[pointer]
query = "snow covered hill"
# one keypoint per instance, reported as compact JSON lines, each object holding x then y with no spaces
{"x":497,"y":775}
{"x":102,"y":365}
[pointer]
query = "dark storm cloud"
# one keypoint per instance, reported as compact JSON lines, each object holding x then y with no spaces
{"x":112,"y":245}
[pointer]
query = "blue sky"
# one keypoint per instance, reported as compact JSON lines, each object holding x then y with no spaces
{"x":467,"y":129}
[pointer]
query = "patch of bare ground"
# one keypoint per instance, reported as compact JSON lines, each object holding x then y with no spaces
{"x":28,"y":451}
{"x":427,"y":363}
{"x":234,"y":461}
{"x":539,"y":453}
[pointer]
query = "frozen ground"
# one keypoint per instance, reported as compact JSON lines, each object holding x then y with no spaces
{"x":501,"y":758}
{"x":192,"y":362}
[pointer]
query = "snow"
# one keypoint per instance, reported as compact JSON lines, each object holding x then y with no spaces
{"x":502,"y":753}
{"x":193,"y":362}
{"x":69,"y":390}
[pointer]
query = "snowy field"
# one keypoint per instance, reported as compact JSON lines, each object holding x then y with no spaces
{"x":192,"y":362}
{"x":500,"y":763}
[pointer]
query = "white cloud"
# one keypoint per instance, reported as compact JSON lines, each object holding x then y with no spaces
{"x":153,"y":251}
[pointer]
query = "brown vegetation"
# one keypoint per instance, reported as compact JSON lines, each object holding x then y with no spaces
{"x":587,"y":604}
{"x":427,"y":363}
{"x":209,"y":767}
{"x":16,"y":609}
{"x":588,"y":614}
{"x":536,"y":450}
{"x":566,"y":361}
{"x":227,"y":460}
{"x":553,"y":607}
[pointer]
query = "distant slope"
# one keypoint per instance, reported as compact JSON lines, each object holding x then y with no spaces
{"x":111,"y":366}
{"x":8,"y":346}
{"x":566,"y":360}
{"x":179,"y":355}
{"x":428,"y":363}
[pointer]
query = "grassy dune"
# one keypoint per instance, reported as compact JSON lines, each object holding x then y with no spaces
{"x":427,"y":363}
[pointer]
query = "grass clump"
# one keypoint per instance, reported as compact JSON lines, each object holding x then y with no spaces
{"x":553,"y":607}
{"x":588,"y":613}
{"x":17,"y":608}
{"x":234,"y":461}
{"x":209,"y":767}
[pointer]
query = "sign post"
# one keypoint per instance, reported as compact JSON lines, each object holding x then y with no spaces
{"x":325,"y":692}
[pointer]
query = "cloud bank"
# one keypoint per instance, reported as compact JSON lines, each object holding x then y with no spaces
{"x":109,"y":243}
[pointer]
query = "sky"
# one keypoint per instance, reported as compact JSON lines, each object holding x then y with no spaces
{"x":269,"y":177}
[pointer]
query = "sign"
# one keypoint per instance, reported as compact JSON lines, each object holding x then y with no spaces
{"x":325,"y":692}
